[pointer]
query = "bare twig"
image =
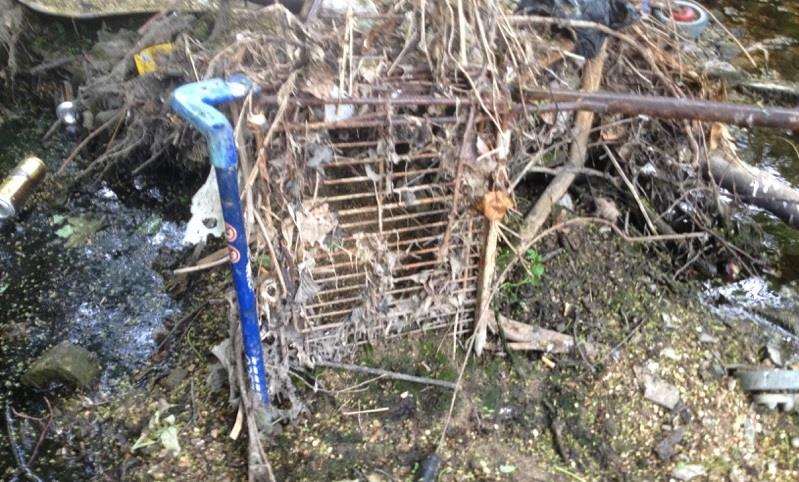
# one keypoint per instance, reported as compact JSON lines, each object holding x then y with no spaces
{"x":387,"y":374}
{"x":16,"y":451}
{"x":88,"y":139}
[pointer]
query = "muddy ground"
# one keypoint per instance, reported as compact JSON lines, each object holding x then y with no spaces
{"x":519,"y":417}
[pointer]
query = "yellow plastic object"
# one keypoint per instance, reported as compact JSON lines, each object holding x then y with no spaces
{"x":146,"y":60}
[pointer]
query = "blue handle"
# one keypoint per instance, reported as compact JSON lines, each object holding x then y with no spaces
{"x":195,"y":103}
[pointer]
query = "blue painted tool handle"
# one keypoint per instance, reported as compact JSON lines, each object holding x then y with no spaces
{"x":194,"y":102}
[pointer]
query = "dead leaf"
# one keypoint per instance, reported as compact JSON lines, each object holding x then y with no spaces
{"x":606,"y":209}
{"x":611,"y":133}
{"x":495,"y":205}
{"x":315,"y":224}
{"x":319,"y":80}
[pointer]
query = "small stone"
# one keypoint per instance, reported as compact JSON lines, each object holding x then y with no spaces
{"x":774,"y":354}
{"x":687,"y":471}
{"x":795,"y":442}
{"x":65,"y":363}
{"x":666,"y":448}
{"x":661,"y":393}
{"x":175,"y":377}
{"x":706,"y":338}
{"x":723,"y":70}
{"x":671,"y":354}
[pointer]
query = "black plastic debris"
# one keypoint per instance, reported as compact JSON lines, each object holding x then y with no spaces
{"x":430,"y":468}
{"x":615,"y":14}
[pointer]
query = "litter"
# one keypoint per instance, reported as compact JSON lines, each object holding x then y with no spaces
{"x":20,"y":184}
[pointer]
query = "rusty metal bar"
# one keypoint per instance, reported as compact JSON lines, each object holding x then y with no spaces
{"x":373,"y":209}
{"x":342,"y":161}
{"x":672,"y":108}
{"x":330,"y":326}
{"x":393,"y":219}
{"x":362,"y":195}
{"x":398,"y":269}
{"x":465,"y":330}
{"x":399,"y":291}
{"x":359,"y":123}
{"x":393,"y":175}
{"x":353,"y":263}
{"x":328,"y":314}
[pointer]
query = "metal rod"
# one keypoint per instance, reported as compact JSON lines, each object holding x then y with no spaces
{"x":351,"y":299}
{"x":389,"y":316}
{"x":672,"y":108}
{"x":418,"y":202}
{"x":401,"y":217}
{"x":394,"y":175}
{"x":601,"y":102}
{"x":195,"y":103}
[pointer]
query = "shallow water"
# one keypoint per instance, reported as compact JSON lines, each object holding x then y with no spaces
{"x":766,"y":302}
{"x":97,"y":287}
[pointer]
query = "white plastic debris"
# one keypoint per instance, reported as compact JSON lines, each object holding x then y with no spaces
{"x":340,"y":112}
{"x":566,"y":202}
{"x":206,"y":213}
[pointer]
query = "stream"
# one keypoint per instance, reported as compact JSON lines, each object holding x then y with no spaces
{"x":85,"y":268}
{"x":80,"y":269}
{"x":773,"y":302}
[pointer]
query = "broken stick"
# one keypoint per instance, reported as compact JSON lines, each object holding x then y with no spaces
{"x":592,"y":78}
{"x":494,"y":206}
{"x":524,"y":337}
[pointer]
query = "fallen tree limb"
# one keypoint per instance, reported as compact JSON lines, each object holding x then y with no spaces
{"x":756,"y":187}
{"x":592,"y":78}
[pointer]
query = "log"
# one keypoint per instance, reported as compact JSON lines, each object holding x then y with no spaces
{"x":755,"y":186}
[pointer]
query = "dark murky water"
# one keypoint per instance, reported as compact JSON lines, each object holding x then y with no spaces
{"x":79,"y":269}
{"x":767,"y":302}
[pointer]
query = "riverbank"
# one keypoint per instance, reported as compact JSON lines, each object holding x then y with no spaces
{"x":93,"y":262}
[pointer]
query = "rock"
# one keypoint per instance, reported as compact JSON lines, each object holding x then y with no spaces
{"x":174,"y":378}
{"x":774,"y":354}
{"x":687,"y":471}
{"x":65,"y":363}
{"x":606,"y":209}
{"x":708,"y":339}
{"x":665,"y":449}
{"x":661,"y":393}
{"x":722,"y":70}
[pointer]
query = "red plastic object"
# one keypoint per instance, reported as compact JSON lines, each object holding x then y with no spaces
{"x":684,"y":14}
